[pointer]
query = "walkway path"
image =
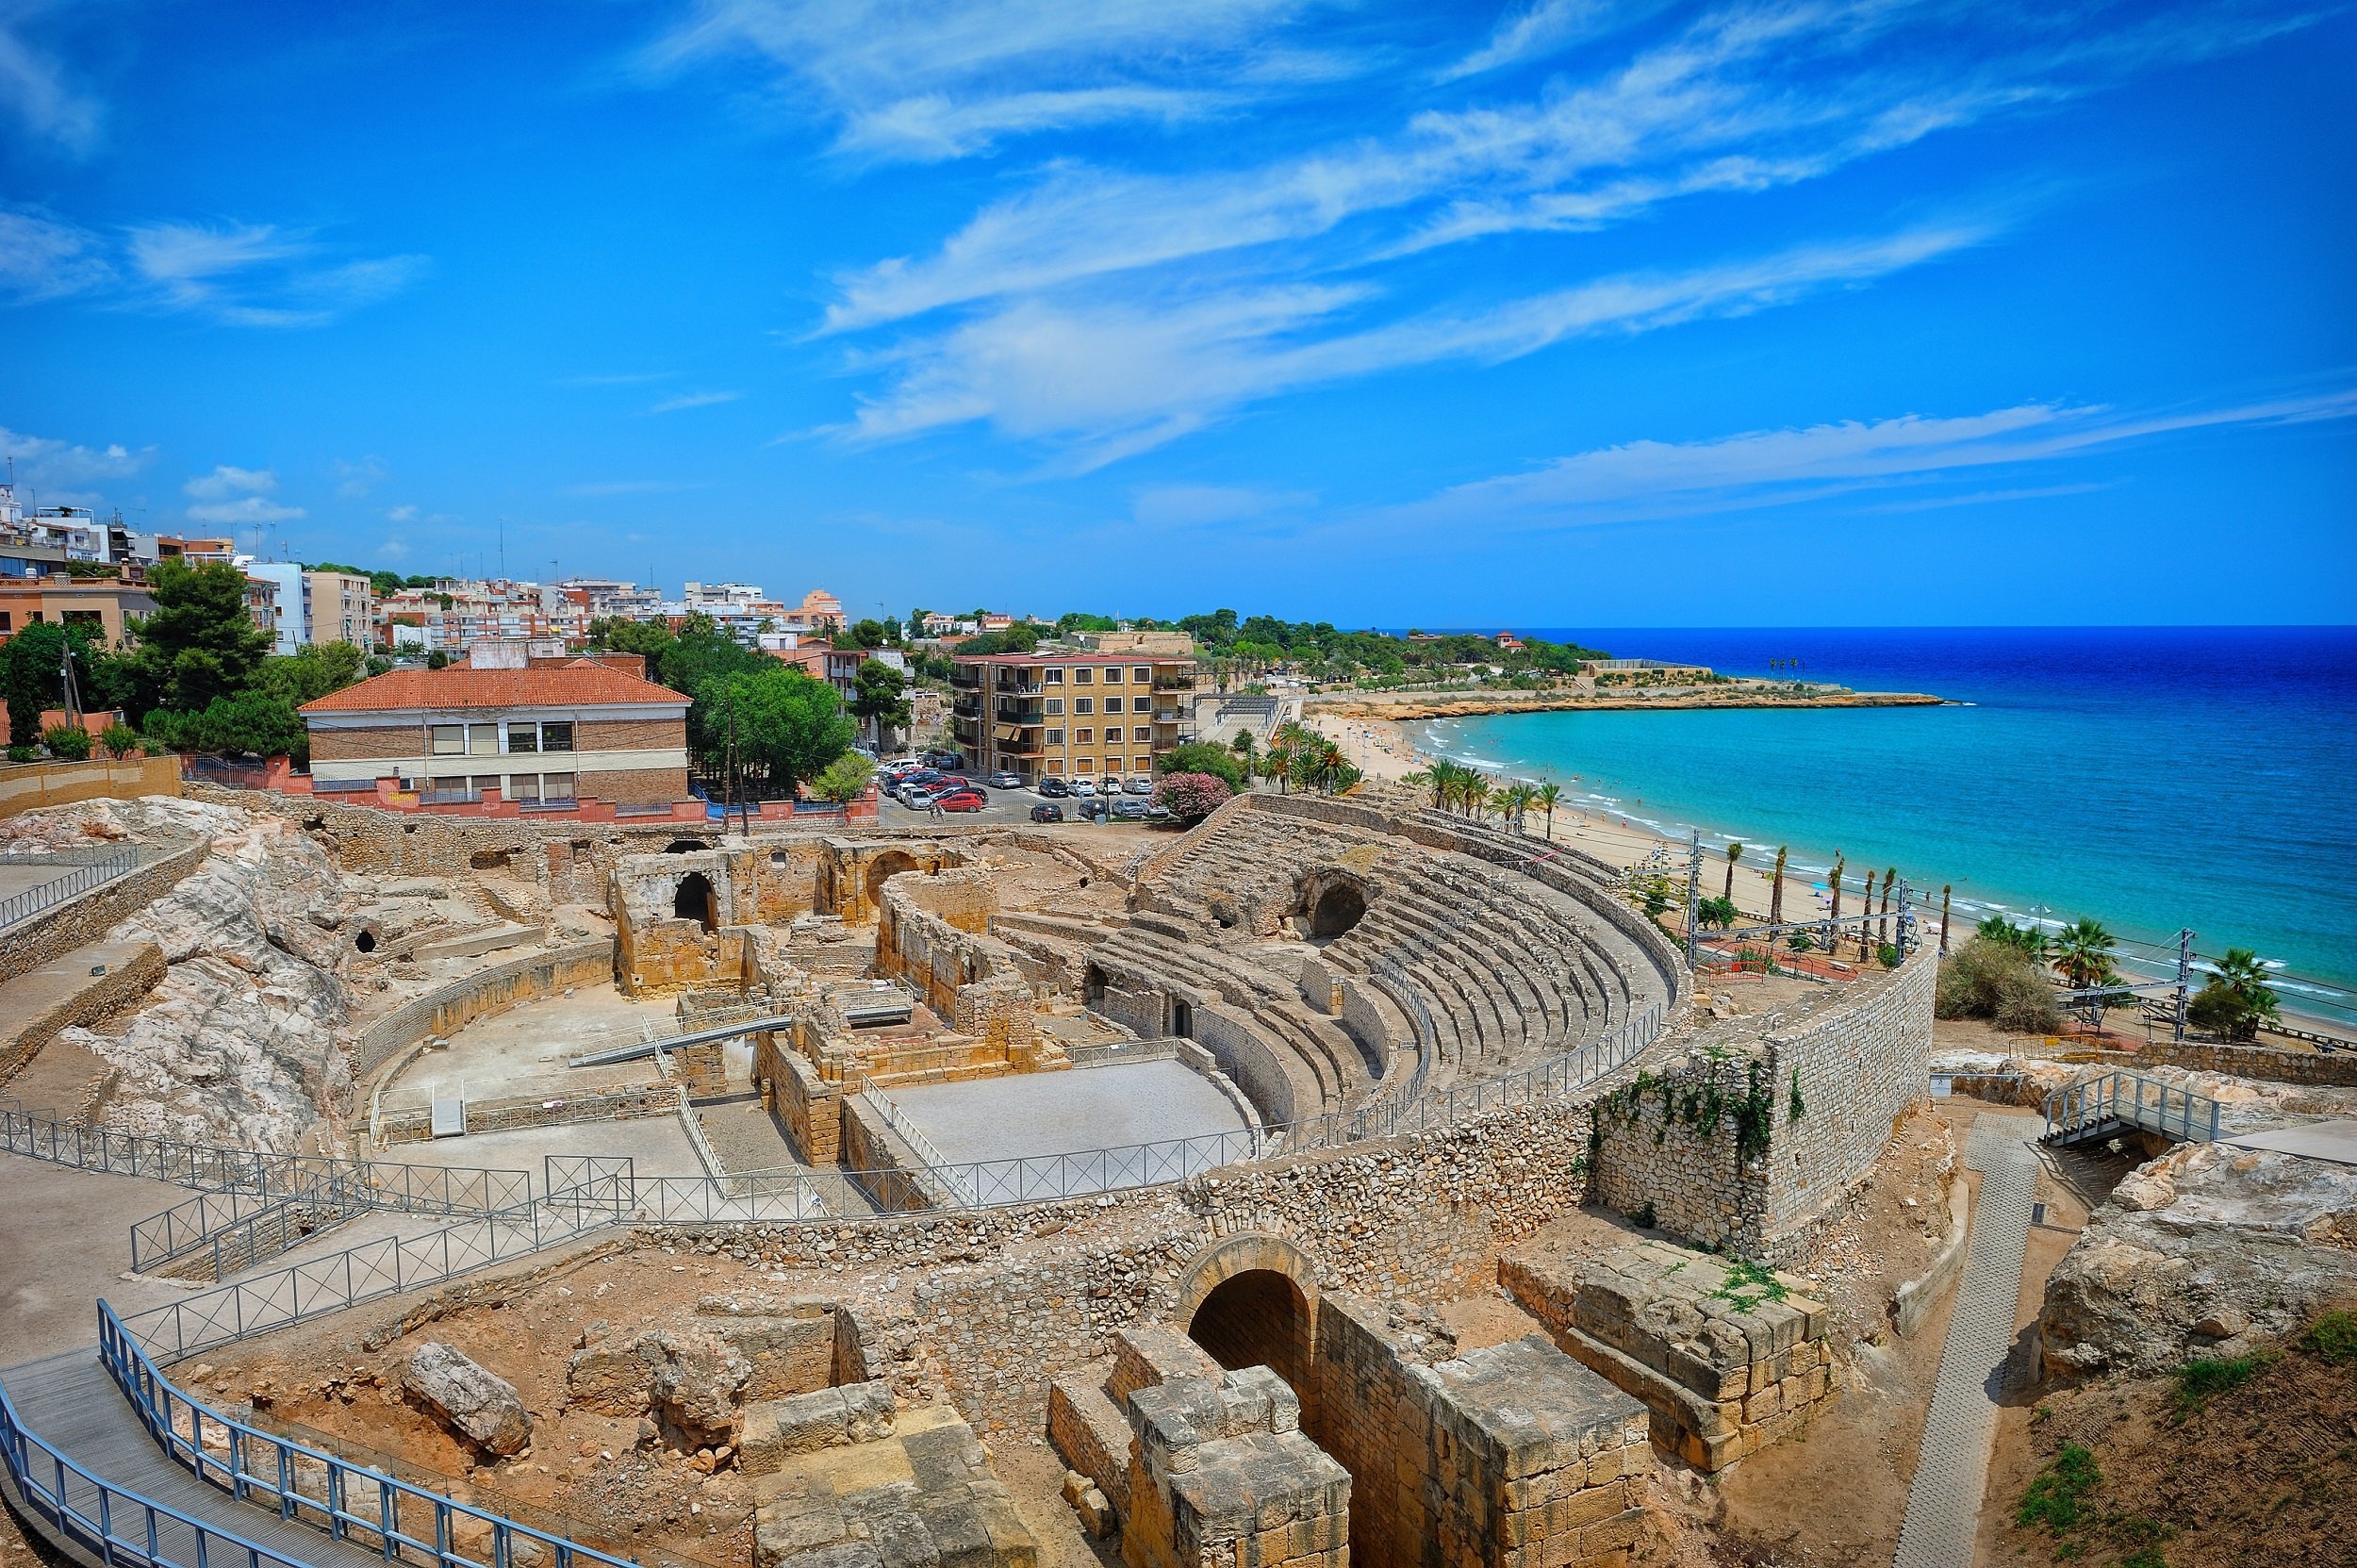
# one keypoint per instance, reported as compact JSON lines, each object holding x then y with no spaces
{"x":1952,"y":1467}
{"x":71,"y":1403}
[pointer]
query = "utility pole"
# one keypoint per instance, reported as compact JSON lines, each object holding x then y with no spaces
{"x":2185,"y":983}
{"x":1947,"y":895}
{"x":1693,"y":893}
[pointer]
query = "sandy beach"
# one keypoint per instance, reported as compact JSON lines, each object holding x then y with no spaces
{"x":1382,"y":750}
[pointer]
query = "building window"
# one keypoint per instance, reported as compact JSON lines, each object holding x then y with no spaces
{"x":1143,"y":675}
{"x":1055,"y":738}
{"x":1113,"y":675}
{"x":1112,"y":735}
{"x":1084,"y":737}
{"x":450,"y":740}
{"x":7,"y":620}
{"x":522,"y":736}
{"x":83,"y":617}
{"x":557,"y":736}
{"x":1055,"y":707}
{"x":1082,"y":675}
{"x":1084,"y":705}
{"x":1053,"y":675}
{"x":482,"y":741}
{"x":1144,"y":765}
{"x":1085,"y":766}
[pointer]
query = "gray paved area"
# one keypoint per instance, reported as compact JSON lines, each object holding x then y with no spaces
{"x":658,"y":1143}
{"x":1952,"y":1468}
{"x":526,"y":1049}
{"x":999,"y":1118}
{"x":66,"y":1237}
{"x":2335,"y":1141}
{"x":746,"y":1137}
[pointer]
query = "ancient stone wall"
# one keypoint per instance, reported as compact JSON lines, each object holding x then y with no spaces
{"x":93,"y":1000}
{"x":1255,"y":1066}
{"x":449,"y":1008}
{"x":1743,"y":1147}
{"x":56,"y":931}
{"x":26,"y":785}
{"x":2274,"y":1064}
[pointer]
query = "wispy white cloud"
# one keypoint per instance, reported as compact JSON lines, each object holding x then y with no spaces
{"x":62,"y":471}
{"x":35,"y":88}
{"x":1542,"y":27}
{"x":355,"y":480}
{"x":404,"y":513}
{"x":236,"y":496}
{"x":908,"y":80}
{"x":1118,"y":377}
{"x":1180,"y":506}
{"x":395,"y":549}
{"x":257,"y":274}
{"x":692,"y":400}
{"x":44,"y":257}
{"x":1773,"y":468}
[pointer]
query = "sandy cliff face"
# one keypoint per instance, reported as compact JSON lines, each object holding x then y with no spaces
{"x":241,"y":1044}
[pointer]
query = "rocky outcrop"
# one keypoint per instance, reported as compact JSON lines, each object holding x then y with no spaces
{"x":479,"y":1404}
{"x":692,"y":1381}
{"x":2208,"y":1250}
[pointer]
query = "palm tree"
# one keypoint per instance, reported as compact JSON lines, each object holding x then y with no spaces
{"x":1946,"y":893}
{"x":1734,"y":852}
{"x":2083,"y":955}
{"x":1882,"y":927}
{"x":1547,"y":795}
{"x":1775,"y":890}
{"x":2236,"y":999}
{"x":1836,"y":913}
{"x":1477,"y":797}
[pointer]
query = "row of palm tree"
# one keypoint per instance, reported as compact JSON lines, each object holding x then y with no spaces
{"x":1470,"y":792}
{"x":1298,"y":754}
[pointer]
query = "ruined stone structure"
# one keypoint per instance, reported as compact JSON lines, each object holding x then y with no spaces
{"x":1747,"y":1143}
{"x":1727,"y":1360}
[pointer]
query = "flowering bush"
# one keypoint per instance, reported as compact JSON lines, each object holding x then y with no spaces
{"x":1191,"y":797}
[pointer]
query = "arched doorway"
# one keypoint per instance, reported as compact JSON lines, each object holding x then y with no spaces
{"x":1093,"y":987}
{"x":1258,"y":1318}
{"x":693,"y":900}
{"x":890,"y":863}
{"x":1181,"y":1020}
{"x":1339,"y":908}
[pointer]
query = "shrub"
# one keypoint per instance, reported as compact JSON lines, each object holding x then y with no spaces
{"x":1996,"y":981}
{"x":120,"y":740}
{"x":1191,"y":797}
{"x":2334,"y":1336}
{"x":845,"y":779}
{"x":1800,"y":942}
{"x":1889,"y":955}
{"x":20,"y":754}
{"x":1717,"y":911}
{"x":69,"y":741}
{"x":1203,"y":757}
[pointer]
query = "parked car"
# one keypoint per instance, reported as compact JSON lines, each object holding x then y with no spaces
{"x":1140,"y":783}
{"x":1083,"y":788}
{"x":1094,"y":808}
{"x":1054,"y":788}
{"x":946,"y":759}
{"x":962,"y":799}
{"x":1004,"y":779}
{"x":1129,"y":811}
{"x":1046,"y":812}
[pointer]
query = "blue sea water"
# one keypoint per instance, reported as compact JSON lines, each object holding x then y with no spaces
{"x":2151,"y":778}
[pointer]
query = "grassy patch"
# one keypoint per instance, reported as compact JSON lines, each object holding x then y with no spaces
{"x":2334,"y":1336}
{"x":1747,"y":1285}
{"x":2199,"y":1381}
{"x":2057,"y":1498}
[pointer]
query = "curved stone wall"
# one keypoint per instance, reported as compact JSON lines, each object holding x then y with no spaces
{"x":449,"y":1008}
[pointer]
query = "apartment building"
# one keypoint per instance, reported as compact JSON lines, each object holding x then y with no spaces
{"x":547,"y":736}
{"x":1070,"y":712}
{"x":102,"y":603}
{"x":339,"y":606}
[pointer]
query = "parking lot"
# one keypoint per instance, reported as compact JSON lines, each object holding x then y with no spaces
{"x":1006,"y":805}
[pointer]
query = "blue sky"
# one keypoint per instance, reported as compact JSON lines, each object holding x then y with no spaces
{"x":1560,"y":312}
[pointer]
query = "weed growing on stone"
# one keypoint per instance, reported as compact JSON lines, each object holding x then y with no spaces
{"x":1748,"y":1284}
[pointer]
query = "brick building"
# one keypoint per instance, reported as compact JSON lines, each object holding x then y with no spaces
{"x":543,"y":734}
{"x":1069,"y":712}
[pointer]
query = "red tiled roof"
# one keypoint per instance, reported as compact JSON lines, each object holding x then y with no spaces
{"x":581,"y":684}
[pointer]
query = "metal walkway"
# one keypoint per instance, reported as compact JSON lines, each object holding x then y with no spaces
{"x":1951,"y":1465}
{"x":2125,"y":1101}
{"x":70,"y":1403}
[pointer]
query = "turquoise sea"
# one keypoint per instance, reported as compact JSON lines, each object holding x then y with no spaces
{"x":2151,"y":778}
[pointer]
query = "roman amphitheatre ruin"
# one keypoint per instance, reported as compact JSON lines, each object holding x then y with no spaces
{"x":1339,"y":1180}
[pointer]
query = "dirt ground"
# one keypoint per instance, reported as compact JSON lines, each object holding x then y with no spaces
{"x":2262,"y":1474}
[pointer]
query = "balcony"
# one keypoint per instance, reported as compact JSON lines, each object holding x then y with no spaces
{"x":966,"y":679}
{"x":968,"y":707}
{"x":1018,"y":713}
{"x":1010,"y":688}
{"x":1174,"y":682}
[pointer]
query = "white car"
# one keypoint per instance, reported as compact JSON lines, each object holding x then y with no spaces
{"x":1083,"y":788}
{"x":1140,"y":783}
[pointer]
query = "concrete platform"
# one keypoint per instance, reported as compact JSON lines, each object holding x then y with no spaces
{"x":999,"y":1118}
{"x":2335,"y":1141}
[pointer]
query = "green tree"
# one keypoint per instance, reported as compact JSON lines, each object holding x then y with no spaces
{"x":880,"y":696}
{"x":1719,"y":911}
{"x":32,"y":674}
{"x":2083,"y":955}
{"x":787,"y":725}
{"x":69,"y":741}
{"x":200,"y":644}
{"x":650,"y":638}
{"x":2236,"y":999}
{"x":311,"y":674}
{"x":868,"y":634}
{"x":845,"y":779}
{"x":1735,"y":854}
{"x":1775,"y":889}
{"x":251,"y":723}
{"x":1200,"y":756}
{"x":1549,"y":796}
{"x":437,"y":660}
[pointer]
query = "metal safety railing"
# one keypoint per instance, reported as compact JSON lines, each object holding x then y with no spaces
{"x":79,"y":878}
{"x":354,"y":1504}
{"x":2126,"y":1099}
{"x":110,"y":1523}
{"x":351,"y":1187}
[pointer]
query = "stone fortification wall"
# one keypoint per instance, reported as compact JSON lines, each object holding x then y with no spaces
{"x":447,"y":1009}
{"x":50,"y":935}
{"x":2271,"y":1063}
{"x":1743,"y":1147}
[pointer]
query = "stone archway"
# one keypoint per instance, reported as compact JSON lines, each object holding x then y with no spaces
{"x":1253,"y":1301}
{"x":1339,"y":908}
{"x":694,"y":899}
{"x":887,"y":864}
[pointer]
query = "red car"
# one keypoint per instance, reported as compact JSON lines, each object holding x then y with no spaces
{"x":963,"y":799}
